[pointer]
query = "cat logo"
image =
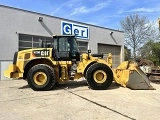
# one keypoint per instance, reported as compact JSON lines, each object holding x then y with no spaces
{"x":41,"y":53}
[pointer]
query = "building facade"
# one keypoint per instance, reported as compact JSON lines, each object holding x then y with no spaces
{"x":21,"y":29}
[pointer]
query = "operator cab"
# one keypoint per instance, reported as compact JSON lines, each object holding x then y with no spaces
{"x":65,"y":48}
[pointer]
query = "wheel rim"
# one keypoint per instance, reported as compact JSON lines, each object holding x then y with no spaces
{"x":40,"y":78}
{"x":100,"y":76}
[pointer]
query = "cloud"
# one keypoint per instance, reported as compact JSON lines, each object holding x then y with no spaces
{"x":57,"y":9}
{"x":68,"y":4}
{"x":83,"y":9}
{"x":144,"y":10}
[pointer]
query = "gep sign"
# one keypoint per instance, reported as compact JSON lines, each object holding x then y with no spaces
{"x":80,"y":31}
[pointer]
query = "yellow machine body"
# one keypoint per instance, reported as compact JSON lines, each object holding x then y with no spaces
{"x":42,"y":70}
{"x":26,"y":60}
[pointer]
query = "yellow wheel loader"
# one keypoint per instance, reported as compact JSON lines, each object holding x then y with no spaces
{"x":60,"y":61}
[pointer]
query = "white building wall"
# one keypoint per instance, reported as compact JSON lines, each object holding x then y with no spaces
{"x":14,"y":21}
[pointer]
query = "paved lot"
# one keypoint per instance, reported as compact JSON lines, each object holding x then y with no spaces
{"x":75,"y":101}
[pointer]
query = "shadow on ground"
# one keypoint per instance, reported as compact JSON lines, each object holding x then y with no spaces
{"x":156,"y":81}
{"x":24,"y":87}
{"x":114,"y":85}
{"x":74,"y":84}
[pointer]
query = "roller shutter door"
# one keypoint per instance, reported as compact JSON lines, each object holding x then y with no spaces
{"x":115,"y":50}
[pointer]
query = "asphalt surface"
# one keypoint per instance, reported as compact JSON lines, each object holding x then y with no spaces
{"x":75,"y":101}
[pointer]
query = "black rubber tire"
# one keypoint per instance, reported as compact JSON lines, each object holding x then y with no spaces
{"x":48,"y":71}
{"x":90,"y":78}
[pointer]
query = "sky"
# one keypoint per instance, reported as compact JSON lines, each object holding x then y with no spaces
{"x":104,"y":13}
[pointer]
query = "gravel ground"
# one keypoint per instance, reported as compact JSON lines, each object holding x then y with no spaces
{"x":75,"y":101}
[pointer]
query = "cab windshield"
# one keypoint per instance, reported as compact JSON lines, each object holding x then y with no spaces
{"x":66,"y":44}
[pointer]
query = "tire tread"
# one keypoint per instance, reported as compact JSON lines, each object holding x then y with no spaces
{"x":51,"y":78}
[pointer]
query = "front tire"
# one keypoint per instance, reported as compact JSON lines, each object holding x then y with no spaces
{"x":41,"y":77}
{"x":99,"y":76}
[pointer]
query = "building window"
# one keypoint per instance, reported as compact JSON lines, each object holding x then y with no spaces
{"x":83,"y":46}
{"x":31,"y":41}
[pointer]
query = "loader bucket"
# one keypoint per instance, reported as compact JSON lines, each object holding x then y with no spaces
{"x":129,"y":75}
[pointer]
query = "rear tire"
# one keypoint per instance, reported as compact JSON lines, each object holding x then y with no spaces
{"x":41,"y":77}
{"x":99,"y":76}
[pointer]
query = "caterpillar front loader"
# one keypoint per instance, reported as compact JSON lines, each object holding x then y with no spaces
{"x":61,"y":61}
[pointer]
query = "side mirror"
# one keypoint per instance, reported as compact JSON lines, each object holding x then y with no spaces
{"x":89,"y":51}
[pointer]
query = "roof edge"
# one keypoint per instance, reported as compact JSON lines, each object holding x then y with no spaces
{"x":1,"y":5}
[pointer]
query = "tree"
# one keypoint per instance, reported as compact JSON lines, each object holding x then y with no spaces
{"x":151,"y":51}
{"x":137,"y":31}
{"x":127,"y":53}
